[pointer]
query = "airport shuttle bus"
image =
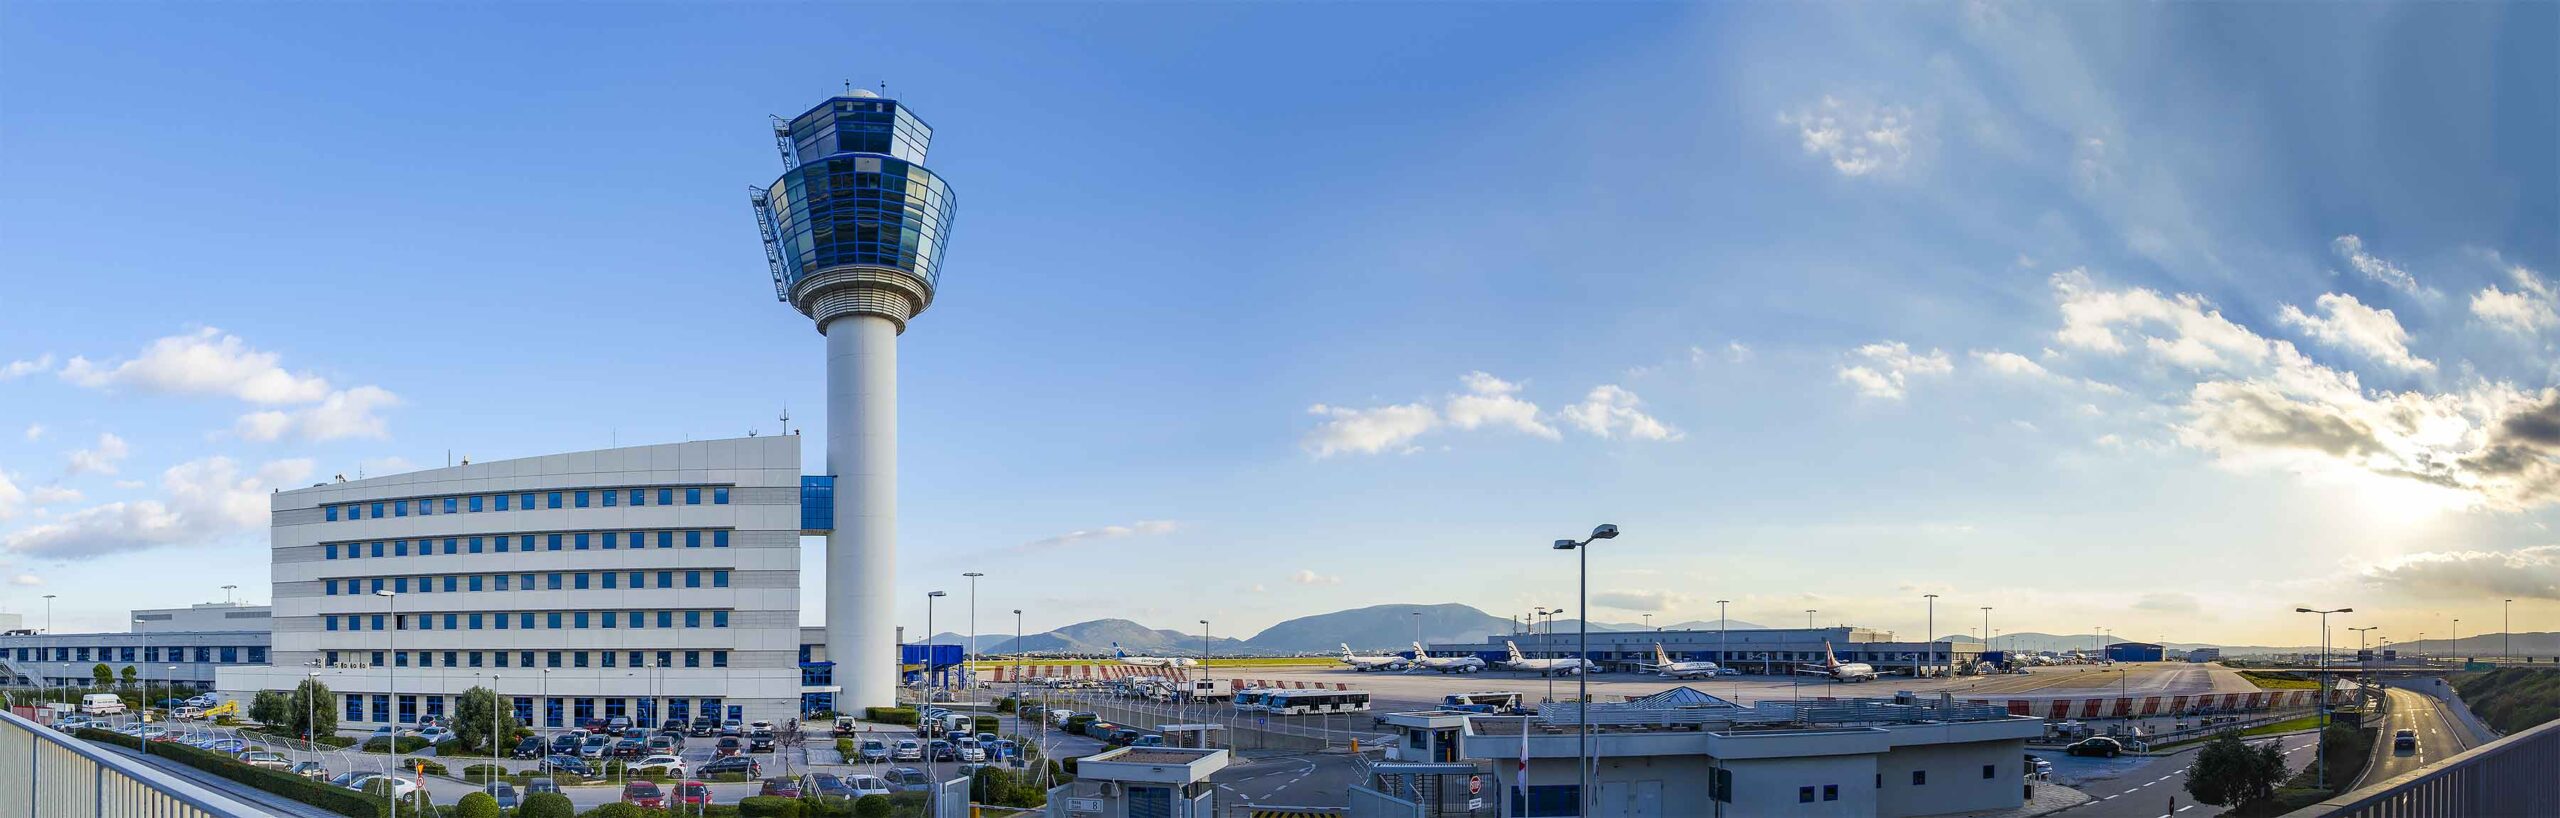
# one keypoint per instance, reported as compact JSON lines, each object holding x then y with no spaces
{"x":1250,"y":700}
{"x":1303,"y":702}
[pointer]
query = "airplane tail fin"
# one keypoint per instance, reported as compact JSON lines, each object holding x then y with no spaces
{"x":1660,"y":656}
{"x":1117,"y":653}
{"x":1515,"y":650}
{"x":1346,"y":651}
{"x":1829,"y":660}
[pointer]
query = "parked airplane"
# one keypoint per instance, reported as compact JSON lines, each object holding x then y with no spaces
{"x":1832,"y":667}
{"x":1663,"y":665}
{"x":1150,"y":661}
{"x":1545,"y":667}
{"x":1445,"y":664}
{"x":1365,"y":664}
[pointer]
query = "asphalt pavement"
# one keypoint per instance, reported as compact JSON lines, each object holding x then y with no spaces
{"x":2151,"y":786}
{"x":2439,"y":735}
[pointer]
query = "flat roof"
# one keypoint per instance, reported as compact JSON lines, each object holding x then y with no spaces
{"x":1158,"y":756}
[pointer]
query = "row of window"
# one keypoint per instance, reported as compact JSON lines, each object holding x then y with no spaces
{"x":1720,"y":785}
{"x":256,"y":655}
{"x":636,"y":659}
{"x":523,"y":501}
{"x":640,"y":710}
{"x":553,"y":581}
{"x":502,"y":543}
{"x":528,"y":620}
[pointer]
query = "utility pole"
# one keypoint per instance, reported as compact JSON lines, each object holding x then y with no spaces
{"x":1931,"y":636}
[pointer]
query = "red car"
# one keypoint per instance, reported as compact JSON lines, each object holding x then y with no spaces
{"x":644,"y":794}
{"x":781,"y":788}
{"x":693,"y":794}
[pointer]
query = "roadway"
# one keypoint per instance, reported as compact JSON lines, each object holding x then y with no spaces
{"x":2147,"y":786}
{"x":2440,"y":736}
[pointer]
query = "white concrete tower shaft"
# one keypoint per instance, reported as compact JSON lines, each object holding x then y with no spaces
{"x":862,"y":551}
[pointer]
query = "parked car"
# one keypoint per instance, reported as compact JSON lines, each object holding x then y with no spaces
{"x":728,"y":746}
{"x":760,"y":741}
{"x":780,"y":788}
{"x":664,"y":745}
{"x":262,"y":758}
{"x":825,"y":785}
{"x":672,"y":765}
{"x":2095,"y":746}
{"x":540,"y":785}
{"x":629,"y":748}
{"x":2038,"y":767}
{"x":506,"y":795}
{"x":529,"y":748}
{"x":706,"y":727}
{"x":731,"y":764}
{"x":644,"y":794}
{"x":693,"y":793}
{"x":908,"y":779}
{"x":400,"y":787}
{"x":869,"y":785}
{"x":617,"y":724}
{"x":1005,"y":748}
{"x":596,"y":746}
{"x":313,"y":770}
{"x":908,"y":750}
{"x":873,"y":751}
{"x":436,"y":735}
{"x":227,"y":746}
{"x":2404,"y":739}
{"x":943,"y":751}
{"x":566,"y":744}
{"x":671,"y":726}
{"x":571,"y":765}
{"x":847,"y":725}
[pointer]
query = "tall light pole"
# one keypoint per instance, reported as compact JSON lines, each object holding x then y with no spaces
{"x":493,"y":730}
{"x":1017,"y":663}
{"x":973,"y":576}
{"x":1808,"y":618}
{"x":146,"y":680}
{"x":1582,"y":659}
{"x":2506,"y":628}
{"x":1648,"y":621}
{"x":391,"y":686}
{"x":1723,"y":653}
{"x":1986,"y":627}
{"x":48,"y":631}
{"x":1931,"y":635}
{"x":2457,"y":637}
{"x":311,"y":711}
{"x":930,"y":640}
{"x":2321,"y":749}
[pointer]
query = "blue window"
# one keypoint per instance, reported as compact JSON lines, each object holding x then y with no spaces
{"x":693,"y":539}
{"x":528,"y":582}
{"x":377,"y":511}
{"x":552,"y":620}
{"x":502,"y":618}
{"x":331,"y":550}
{"x":377,"y":585}
{"x":579,"y":581}
{"x":400,"y":585}
{"x":399,"y":548}
{"x":693,"y":619}
{"x":586,"y":707}
{"x":639,"y":497}
{"x":501,"y":501}
{"x":639,"y":579}
{"x":475,"y":582}
{"x":693,"y":658}
{"x":610,"y":497}
{"x":476,"y":502}
{"x":610,"y":578}
{"x":555,"y":542}
{"x":719,"y":579}
{"x":450,"y":584}
{"x":666,"y":539}
{"x":377,"y":548}
{"x":381,"y":703}
{"x":693,"y":579}
{"x":666,"y":497}
{"x":451,"y":545}
{"x":400,"y":509}
{"x":524,"y":704}
{"x":609,"y":619}
{"x":551,"y":659}
{"x":355,"y":706}
{"x":475,"y":545}
{"x":719,"y":619}
{"x":719,"y":658}
{"x":610,"y":538}
{"x":450,"y":503}
{"x":330,"y":513}
{"x":666,"y":619}
{"x":666,"y":579}
{"x":555,"y":583}
{"x":525,"y":500}
{"x":501,"y":543}
{"x":332,"y":621}
{"x":579,"y":619}
{"x":720,"y":538}
{"x":257,"y":655}
{"x":377,"y":622}
{"x":636,"y":620}
{"x":720,"y":496}
{"x":330,"y":584}
{"x":555,"y":499}
{"x":475,"y":624}
{"x":580,"y":541}
{"x":502,"y":581}
{"x":693,"y":497}
{"x":525,"y":621}
{"x":450,"y":622}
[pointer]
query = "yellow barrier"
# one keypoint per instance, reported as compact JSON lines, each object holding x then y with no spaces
{"x":1293,"y":812}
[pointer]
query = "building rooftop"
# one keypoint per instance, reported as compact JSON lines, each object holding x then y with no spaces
{"x":1159,"y":756}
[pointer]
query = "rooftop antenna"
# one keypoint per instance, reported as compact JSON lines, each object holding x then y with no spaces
{"x":786,"y":418}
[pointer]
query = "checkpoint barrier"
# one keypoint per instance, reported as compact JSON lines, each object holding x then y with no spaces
{"x":1259,"y":811}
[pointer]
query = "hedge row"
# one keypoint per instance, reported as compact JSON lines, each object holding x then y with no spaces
{"x":890,"y":715}
{"x":316,"y":793}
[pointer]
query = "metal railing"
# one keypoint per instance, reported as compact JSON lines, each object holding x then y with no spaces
{"x":2518,"y":775}
{"x":45,"y":773}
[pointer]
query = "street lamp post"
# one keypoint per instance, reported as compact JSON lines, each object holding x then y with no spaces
{"x":311,"y":711}
{"x":2506,"y":627}
{"x":1582,"y":663}
{"x":1808,"y":618}
{"x":48,"y":631}
{"x":1986,"y":627}
{"x":1723,"y":654}
{"x":1931,"y":636}
{"x":2457,"y":637}
{"x":391,"y":686}
{"x":931,"y":640}
{"x":972,"y":675}
{"x":2321,"y":748}
{"x":145,"y":715}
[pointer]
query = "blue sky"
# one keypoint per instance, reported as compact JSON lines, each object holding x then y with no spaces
{"x":2164,"y":319}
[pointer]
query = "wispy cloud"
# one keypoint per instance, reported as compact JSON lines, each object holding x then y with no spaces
{"x":1307,"y":577}
{"x":1858,"y":139}
{"x":1140,"y":528}
{"x":1488,"y":403}
{"x":22,"y":368}
{"x":2529,"y":310}
{"x":1884,"y":370}
{"x":202,"y":501}
{"x":2377,"y":269}
{"x":209,"y":362}
{"x":2348,"y":324}
{"x":99,"y":459}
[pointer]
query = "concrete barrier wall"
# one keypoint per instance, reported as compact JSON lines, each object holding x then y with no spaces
{"x":45,"y":773}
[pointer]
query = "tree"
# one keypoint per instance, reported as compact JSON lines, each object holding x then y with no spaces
{"x":477,"y":805}
{"x":103,"y":674}
{"x":547,"y":805}
{"x":471,"y":716}
{"x":310,"y":710}
{"x":129,"y":675}
{"x":272,"y":708}
{"x":2229,"y":772}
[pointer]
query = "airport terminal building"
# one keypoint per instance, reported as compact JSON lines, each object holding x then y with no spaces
{"x":648,"y":582}
{"x":1757,"y":650}
{"x":164,"y":645}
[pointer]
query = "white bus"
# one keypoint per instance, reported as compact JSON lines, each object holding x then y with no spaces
{"x":1250,"y":699}
{"x":1302,"y":702}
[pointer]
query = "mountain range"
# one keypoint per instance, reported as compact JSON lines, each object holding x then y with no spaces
{"x":1374,"y":628}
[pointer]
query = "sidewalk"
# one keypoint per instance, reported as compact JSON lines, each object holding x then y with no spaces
{"x":2049,"y":798}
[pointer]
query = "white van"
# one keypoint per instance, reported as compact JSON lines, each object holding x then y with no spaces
{"x":1058,"y":718}
{"x":101,"y":704}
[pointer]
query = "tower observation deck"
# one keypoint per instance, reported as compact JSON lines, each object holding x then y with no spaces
{"x":854,"y":233}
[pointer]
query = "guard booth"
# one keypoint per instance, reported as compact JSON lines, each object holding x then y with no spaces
{"x":1427,"y":735}
{"x":1423,"y":766}
{"x":1193,"y":736}
{"x":1140,"y":782}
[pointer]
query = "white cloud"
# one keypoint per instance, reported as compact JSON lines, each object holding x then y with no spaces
{"x":26,"y":580}
{"x":49,"y":495}
{"x":1108,"y":532}
{"x":130,"y":485}
{"x":342,"y":414}
{"x":1645,"y":601}
{"x":2532,"y":308}
{"x":2182,"y":330}
{"x":1369,"y":431}
{"x":1734,"y":352}
{"x":2380,"y":270}
{"x":2348,"y":324}
{"x":35,"y":431}
{"x":13,"y":500}
{"x":99,"y":459}
{"x":2525,"y":573}
{"x":1858,"y":139}
{"x":18,"y":369}
{"x":204,"y":362}
{"x":1611,"y":411}
{"x":205,"y":500}
{"x":2170,"y":602}
{"x":1306,"y":577}
{"x":1885,"y":368}
{"x":1492,"y":401}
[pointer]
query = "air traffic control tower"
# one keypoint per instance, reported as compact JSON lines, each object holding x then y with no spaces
{"x":854,"y":232}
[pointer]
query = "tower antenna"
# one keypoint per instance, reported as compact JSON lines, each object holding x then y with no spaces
{"x":786,"y":418}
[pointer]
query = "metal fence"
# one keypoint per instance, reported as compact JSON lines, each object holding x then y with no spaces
{"x":2518,"y":775}
{"x":70,"y":779}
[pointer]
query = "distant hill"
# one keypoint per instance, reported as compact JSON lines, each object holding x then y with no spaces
{"x":2032,"y":642}
{"x":1379,"y":627}
{"x":1097,"y":636}
{"x":2537,"y":644}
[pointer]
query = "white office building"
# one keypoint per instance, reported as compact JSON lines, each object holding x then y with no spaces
{"x":164,"y":645}
{"x":647,"y":582}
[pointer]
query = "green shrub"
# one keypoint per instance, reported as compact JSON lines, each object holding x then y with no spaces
{"x":730,"y":778}
{"x":316,"y":793}
{"x":814,"y":807}
{"x":383,"y":744}
{"x":481,"y":773}
{"x":983,"y":724}
{"x":766,"y":806}
{"x":426,"y":767}
{"x":547,"y":805}
{"x":890,"y":715}
{"x":873,"y":806}
{"x":618,"y":809}
{"x":477,"y":805}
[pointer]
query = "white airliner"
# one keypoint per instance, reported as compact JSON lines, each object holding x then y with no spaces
{"x":1832,"y":667}
{"x":1663,"y":665}
{"x":1150,"y":661}
{"x":1445,"y":664}
{"x":1365,"y":664}
{"x":1544,"y":667}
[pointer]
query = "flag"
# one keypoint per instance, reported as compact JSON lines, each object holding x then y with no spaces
{"x":1521,"y":776}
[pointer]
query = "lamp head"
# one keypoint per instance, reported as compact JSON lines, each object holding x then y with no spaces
{"x":1567,"y":545}
{"x":382,"y":593}
{"x":935,"y":593}
{"x":1606,"y":531}
{"x":2304,"y":610}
